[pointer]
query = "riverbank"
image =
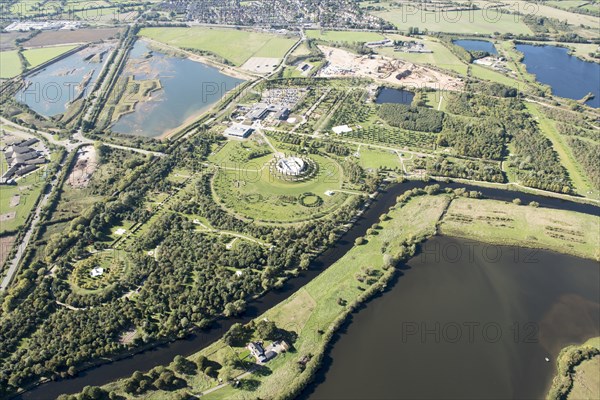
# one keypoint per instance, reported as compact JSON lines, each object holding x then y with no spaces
{"x":577,"y":375}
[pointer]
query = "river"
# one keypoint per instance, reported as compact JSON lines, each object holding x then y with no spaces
{"x":459,"y":323}
{"x":165,"y":353}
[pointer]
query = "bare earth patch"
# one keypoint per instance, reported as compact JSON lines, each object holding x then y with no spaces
{"x":342,"y":63}
{"x":6,"y":243}
{"x":84,"y":168}
{"x":15,"y":200}
{"x":261,"y":65}
{"x":8,"y":216}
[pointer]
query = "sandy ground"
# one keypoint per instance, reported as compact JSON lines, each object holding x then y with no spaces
{"x":342,"y":63}
{"x":261,"y":65}
{"x":84,"y":168}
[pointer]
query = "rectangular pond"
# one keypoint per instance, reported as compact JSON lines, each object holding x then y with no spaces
{"x":395,"y":96}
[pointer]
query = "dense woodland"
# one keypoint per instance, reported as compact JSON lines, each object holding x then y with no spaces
{"x":190,"y":282}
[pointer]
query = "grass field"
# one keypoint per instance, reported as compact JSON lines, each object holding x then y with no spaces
{"x":344,"y":36}
{"x":28,"y":190}
{"x":488,"y":74}
{"x":10,"y":64}
{"x":252,"y":191}
{"x":439,"y":20}
{"x":374,"y":158}
{"x":523,"y":225}
{"x":441,"y":57}
{"x":236,"y":46}
{"x":582,"y":183}
{"x":586,"y":382}
{"x":36,"y":57}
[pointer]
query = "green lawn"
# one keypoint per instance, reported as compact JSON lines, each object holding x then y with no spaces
{"x":36,"y":57}
{"x":10,"y":64}
{"x":523,"y":225}
{"x":441,"y":57}
{"x":344,"y":36}
{"x":252,"y":191}
{"x":28,"y":189}
{"x":489,"y":74}
{"x":375,"y":158}
{"x":234,"y":45}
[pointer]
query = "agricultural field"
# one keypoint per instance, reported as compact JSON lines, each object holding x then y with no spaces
{"x":39,"y":56}
{"x":55,"y":38}
{"x":504,"y":223}
{"x":235,"y":46}
{"x":439,"y":20}
{"x":10,"y":64}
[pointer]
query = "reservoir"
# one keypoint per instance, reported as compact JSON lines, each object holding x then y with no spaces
{"x":395,"y":96}
{"x":568,"y":76}
{"x":188,"y":88}
{"x":465,"y":320}
{"x":476,"y":45}
{"x":49,"y":91}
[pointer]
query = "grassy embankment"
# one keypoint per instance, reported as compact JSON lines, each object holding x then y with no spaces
{"x":234,"y":46}
{"x":581,"y":182}
{"x":504,"y":223}
{"x":315,"y":311}
{"x":577,"y":376}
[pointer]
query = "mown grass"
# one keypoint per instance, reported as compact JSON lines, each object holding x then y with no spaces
{"x":39,"y":56}
{"x":10,"y":64}
{"x":504,"y":223}
{"x":234,"y":45}
{"x":28,"y":188}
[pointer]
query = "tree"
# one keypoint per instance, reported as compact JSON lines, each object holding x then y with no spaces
{"x":266,"y":330}
{"x":210,"y":371}
{"x":201,"y":362}
{"x":359,"y":241}
{"x":183,"y":365}
{"x":517,"y":201}
{"x":235,"y":335}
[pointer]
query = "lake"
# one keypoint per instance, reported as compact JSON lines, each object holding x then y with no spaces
{"x":396,"y":96}
{"x":477,"y":45}
{"x":465,"y":320}
{"x":49,"y":91}
{"x":568,"y":76}
{"x":188,"y":88}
